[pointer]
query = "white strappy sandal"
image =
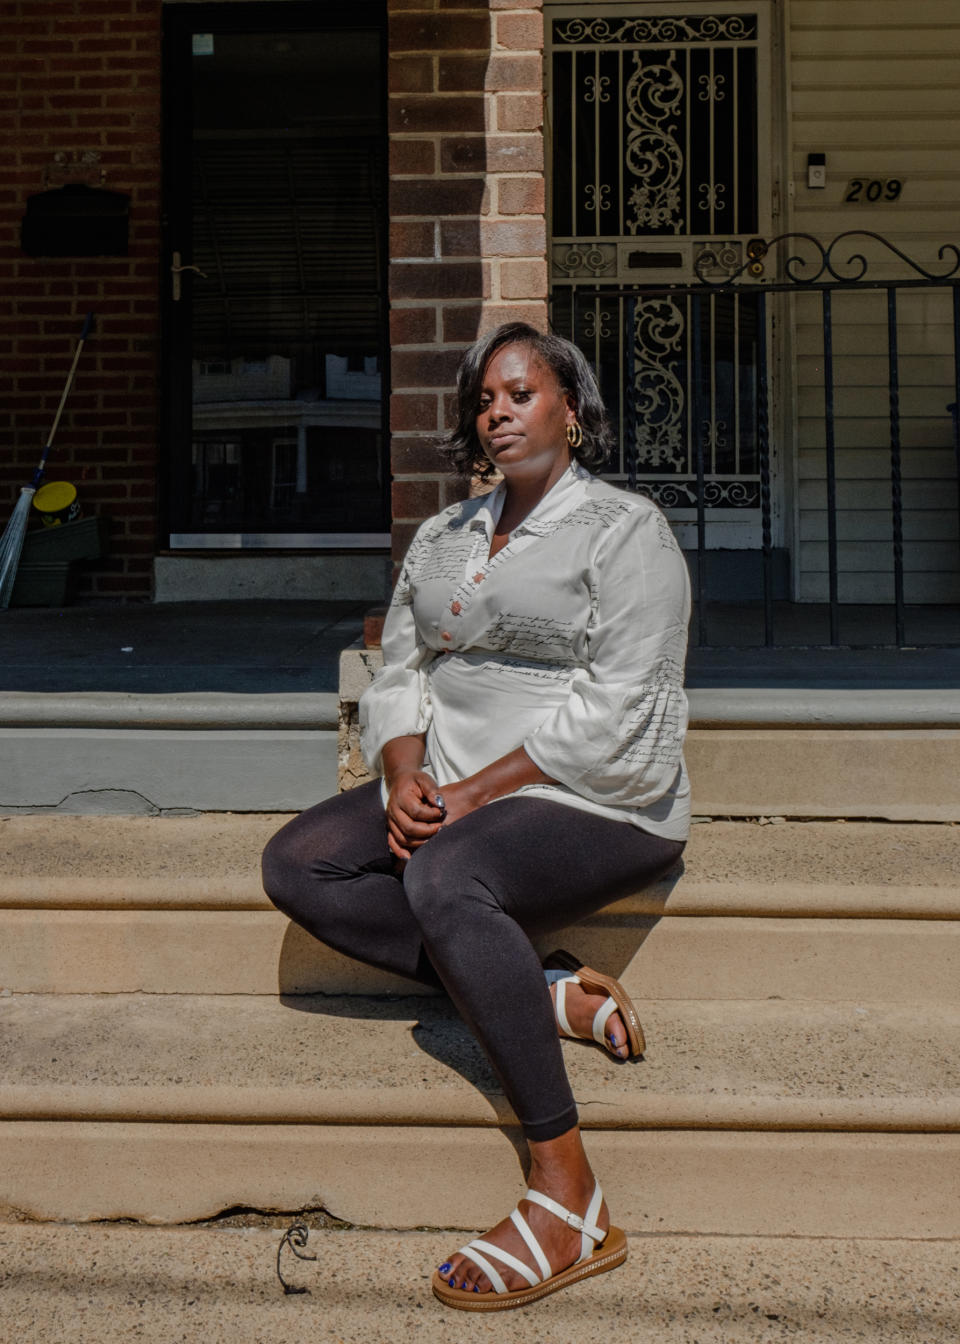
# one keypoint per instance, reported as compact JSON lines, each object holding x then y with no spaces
{"x":618,"y":1001}
{"x":599,"y":1251}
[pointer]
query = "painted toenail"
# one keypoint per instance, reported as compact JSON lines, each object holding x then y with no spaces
{"x":452,"y":1281}
{"x":445,"y":1268}
{"x":476,"y":1287}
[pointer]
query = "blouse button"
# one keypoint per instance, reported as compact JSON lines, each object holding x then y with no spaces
{"x":445,"y":634}
{"x":455,"y":608}
{"x":478,"y":578}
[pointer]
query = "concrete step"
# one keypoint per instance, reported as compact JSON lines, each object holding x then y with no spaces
{"x":129,"y":754}
{"x":897,"y":774}
{"x":218,"y":1283}
{"x":174,"y":905}
{"x":194,"y":952}
{"x":212,"y":862}
{"x":775,"y":1117}
{"x":826,"y":752}
{"x":716,"y":1065}
{"x":752,"y":751}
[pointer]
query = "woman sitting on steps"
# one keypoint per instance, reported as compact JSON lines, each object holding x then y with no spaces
{"x":528,"y":724}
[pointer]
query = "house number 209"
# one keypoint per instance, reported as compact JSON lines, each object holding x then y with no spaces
{"x":863,"y":190}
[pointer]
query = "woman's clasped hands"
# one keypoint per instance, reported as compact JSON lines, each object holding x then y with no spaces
{"x":416,"y":805}
{"x":417,"y":808}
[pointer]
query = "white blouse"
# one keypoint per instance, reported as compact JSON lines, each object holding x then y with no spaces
{"x":570,"y":641}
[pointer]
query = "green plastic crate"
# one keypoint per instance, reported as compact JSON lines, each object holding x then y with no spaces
{"x":45,"y":583}
{"x":86,"y":539}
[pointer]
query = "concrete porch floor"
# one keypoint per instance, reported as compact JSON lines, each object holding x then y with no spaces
{"x":270,"y":647}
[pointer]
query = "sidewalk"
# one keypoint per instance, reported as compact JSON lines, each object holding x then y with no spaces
{"x":217,"y":1284}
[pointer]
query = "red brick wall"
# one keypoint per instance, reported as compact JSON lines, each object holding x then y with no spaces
{"x":75,"y":76}
{"x":467,"y":241}
{"x":467,"y":237}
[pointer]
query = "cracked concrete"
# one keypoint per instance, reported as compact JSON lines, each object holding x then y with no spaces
{"x":203,"y":769}
{"x":92,"y":1284}
{"x":94,"y":802}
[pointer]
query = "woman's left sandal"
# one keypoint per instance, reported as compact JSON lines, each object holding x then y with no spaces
{"x":591,"y":981}
{"x":599,"y":1251}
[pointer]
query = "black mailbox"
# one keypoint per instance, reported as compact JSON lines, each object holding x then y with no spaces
{"x":76,"y":221}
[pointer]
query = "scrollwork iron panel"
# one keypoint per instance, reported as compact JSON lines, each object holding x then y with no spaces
{"x":653,"y":139}
{"x":645,"y":347}
{"x":654,"y":159}
{"x":658,"y":387}
{"x":696,"y":28}
{"x":655,"y":125}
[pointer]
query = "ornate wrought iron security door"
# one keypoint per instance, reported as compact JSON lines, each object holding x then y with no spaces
{"x":660,"y":153}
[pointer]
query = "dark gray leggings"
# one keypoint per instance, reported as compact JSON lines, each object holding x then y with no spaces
{"x":462,"y":914}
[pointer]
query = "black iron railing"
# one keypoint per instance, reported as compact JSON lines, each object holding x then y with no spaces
{"x":685,"y":372}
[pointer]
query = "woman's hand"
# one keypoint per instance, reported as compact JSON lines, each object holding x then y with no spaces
{"x":417,"y":807}
{"x":505,"y":775}
{"x":413,"y":814}
{"x":460,"y":799}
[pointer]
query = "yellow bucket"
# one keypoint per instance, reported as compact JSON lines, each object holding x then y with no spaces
{"x":57,"y":503}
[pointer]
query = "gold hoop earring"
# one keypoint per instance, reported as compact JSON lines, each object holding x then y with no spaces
{"x":574,"y":435}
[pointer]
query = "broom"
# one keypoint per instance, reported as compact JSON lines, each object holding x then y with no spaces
{"x":11,"y":543}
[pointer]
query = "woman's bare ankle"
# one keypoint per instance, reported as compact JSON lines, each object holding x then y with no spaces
{"x":561,"y":1165}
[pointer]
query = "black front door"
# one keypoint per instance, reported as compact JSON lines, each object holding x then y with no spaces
{"x":275,"y":316}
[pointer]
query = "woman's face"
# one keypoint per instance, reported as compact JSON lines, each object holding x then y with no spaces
{"x":523,"y":416}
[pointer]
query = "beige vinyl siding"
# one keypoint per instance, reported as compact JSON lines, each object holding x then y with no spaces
{"x":874,"y":86}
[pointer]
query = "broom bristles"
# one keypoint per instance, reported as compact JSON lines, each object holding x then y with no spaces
{"x":11,"y":544}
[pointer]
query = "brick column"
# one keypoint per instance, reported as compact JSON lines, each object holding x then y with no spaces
{"x":82,"y":77}
{"x":468,"y":236}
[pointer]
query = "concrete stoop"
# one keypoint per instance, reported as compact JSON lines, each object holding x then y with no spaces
{"x":132,"y":754}
{"x":820,"y":910}
{"x":218,"y":1284}
{"x":761,"y":1118}
{"x":799,"y":984}
{"x":751,"y":751}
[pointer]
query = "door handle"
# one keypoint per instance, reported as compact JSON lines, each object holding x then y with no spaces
{"x":176,"y":270}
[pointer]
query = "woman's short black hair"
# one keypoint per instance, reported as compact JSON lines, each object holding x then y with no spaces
{"x":573,"y":373}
